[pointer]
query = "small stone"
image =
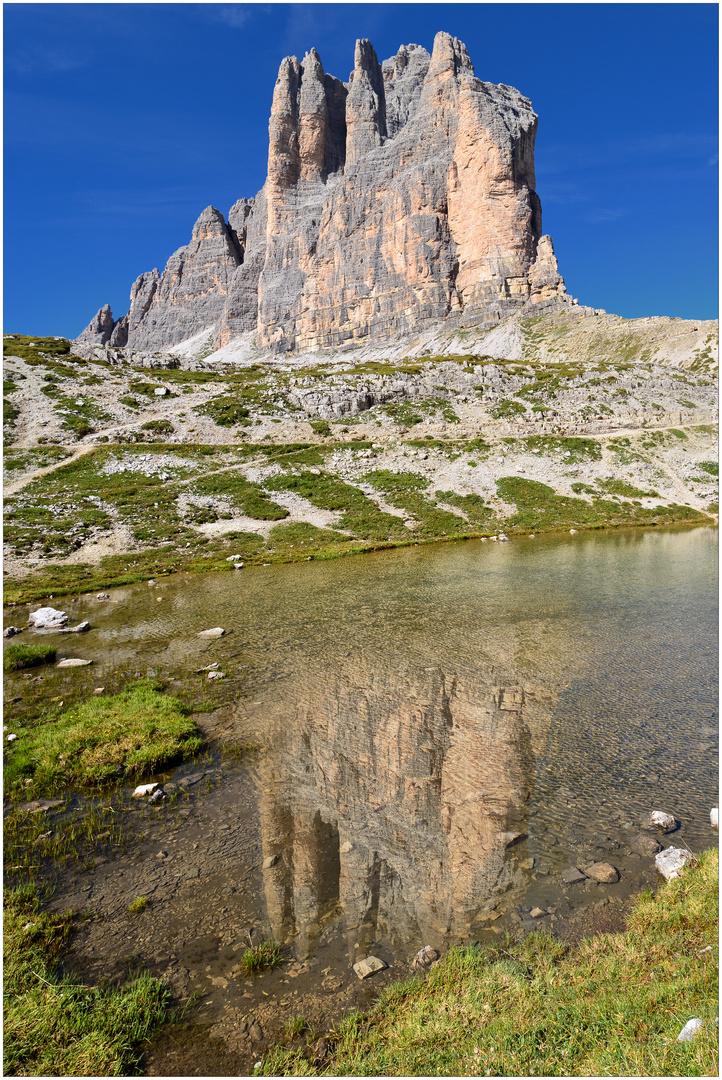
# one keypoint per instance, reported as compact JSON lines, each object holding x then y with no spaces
{"x":157,"y":796}
{"x":509,"y":838}
{"x":103,"y":596}
{"x":689,"y":1030}
{"x":74,"y":662}
{"x":603,"y":872}
{"x":161,"y":854}
{"x":369,"y":966}
{"x":424,"y":958}
{"x":671,"y":862}
{"x":144,"y":789}
{"x":232,"y":558}
{"x":714,"y":817}
{"x":47,"y":618}
{"x":645,"y":845}
{"x":662,"y":821}
{"x":11,"y":631}
{"x":99,"y":690}
{"x":572,"y":532}
{"x":572,"y":875}
{"x":152,"y":582}
{"x":160,"y":391}
{"x":346,"y":847}
{"x":215,"y":631}
{"x":270,"y":861}
{"x":12,"y":738}
{"x":256,"y":1033}
{"x":38,"y":806}
{"x":215,"y":675}
{"x":238,"y":566}
{"x":537,"y":912}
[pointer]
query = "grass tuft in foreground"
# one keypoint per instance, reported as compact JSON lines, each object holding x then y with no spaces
{"x":611,"y":1006}
{"x":55,"y":1027}
{"x":21,"y":656}
{"x":103,"y":740}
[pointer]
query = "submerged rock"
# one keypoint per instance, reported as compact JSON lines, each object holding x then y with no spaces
{"x":646,"y":845}
{"x":572,"y":875}
{"x":714,"y":817}
{"x":215,"y":631}
{"x":369,"y":966}
{"x":603,"y":872}
{"x":74,"y":661}
{"x":11,"y":631}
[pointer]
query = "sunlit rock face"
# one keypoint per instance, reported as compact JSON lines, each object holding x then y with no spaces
{"x":399,"y":801}
{"x":397,"y":200}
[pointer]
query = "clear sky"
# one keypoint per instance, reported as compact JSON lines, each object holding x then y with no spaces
{"x":123,"y":121}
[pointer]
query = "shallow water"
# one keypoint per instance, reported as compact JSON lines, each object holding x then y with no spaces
{"x":444,"y":730}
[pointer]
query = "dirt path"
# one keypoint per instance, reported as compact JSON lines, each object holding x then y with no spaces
{"x":78,"y":452}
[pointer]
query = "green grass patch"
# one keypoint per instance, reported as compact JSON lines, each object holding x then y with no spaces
{"x":55,"y":1026}
{"x":361,"y":515}
{"x":403,"y":489}
{"x":629,"y":491}
{"x":104,"y":740}
{"x":139,"y":904}
{"x":574,"y":448}
{"x":507,"y":409}
{"x":711,"y":467}
{"x":225,"y":411}
{"x":611,"y":1006}
{"x":158,"y":427}
{"x":17,"y":656}
{"x":259,"y":957}
{"x":474,"y":506}
{"x":246,"y":495}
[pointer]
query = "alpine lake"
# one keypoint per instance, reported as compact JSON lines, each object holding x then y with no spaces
{"x":408,"y":748}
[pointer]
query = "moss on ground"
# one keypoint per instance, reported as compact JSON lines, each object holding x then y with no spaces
{"x":19,"y":655}
{"x":102,"y":740}
{"x":611,"y":1006}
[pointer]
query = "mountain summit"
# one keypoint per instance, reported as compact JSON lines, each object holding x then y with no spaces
{"x":399,"y":200}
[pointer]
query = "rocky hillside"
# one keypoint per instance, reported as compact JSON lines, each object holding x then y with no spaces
{"x":121,"y":463}
{"x":403,"y":199}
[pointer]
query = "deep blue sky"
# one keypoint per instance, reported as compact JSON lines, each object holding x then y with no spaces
{"x":123,"y":121}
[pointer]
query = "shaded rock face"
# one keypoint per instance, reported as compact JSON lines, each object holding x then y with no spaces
{"x":400,"y":798}
{"x":394,"y":201}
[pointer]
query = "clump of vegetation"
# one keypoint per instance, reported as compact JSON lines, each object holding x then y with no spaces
{"x":244,"y":493}
{"x":258,"y":957}
{"x":226,"y":411}
{"x":104,"y":740}
{"x":139,"y":904}
{"x":404,"y":489}
{"x":507,"y":408}
{"x":19,"y":655}
{"x":611,"y":1006}
{"x":574,"y":448}
{"x":321,"y":427}
{"x":55,"y":1026}
{"x":629,"y":491}
{"x":158,"y":427}
{"x":711,"y":467}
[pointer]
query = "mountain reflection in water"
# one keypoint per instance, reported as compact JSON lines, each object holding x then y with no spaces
{"x":399,"y":800}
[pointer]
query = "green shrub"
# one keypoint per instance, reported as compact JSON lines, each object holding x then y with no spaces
{"x":159,"y":427}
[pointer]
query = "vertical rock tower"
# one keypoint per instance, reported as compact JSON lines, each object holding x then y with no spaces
{"x":400,"y":199}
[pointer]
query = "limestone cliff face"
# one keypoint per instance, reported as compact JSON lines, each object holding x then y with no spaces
{"x":395,"y":201}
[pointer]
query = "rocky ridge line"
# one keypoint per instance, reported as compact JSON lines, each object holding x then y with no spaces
{"x":396,"y":201}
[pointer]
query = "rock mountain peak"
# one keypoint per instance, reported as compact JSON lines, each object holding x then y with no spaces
{"x":398,"y":200}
